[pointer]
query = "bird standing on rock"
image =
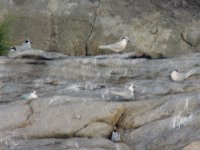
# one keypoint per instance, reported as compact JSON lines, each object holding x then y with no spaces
{"x":30,"y":96}
{"x":118,"y":46}
{"x":126,"y":94}
{"x":180,"y":76}
{"x":115,"y":137}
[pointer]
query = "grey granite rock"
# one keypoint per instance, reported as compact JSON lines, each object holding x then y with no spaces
{"x":158,"y":28}
{"x":71,"y":102}
{"x":63,"y":144}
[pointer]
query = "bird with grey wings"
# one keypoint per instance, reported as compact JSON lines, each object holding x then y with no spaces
{"x":116,"y":47}
{"x":126,"y":94}
{"x":30,"y":96}
{"x":178,"y":76}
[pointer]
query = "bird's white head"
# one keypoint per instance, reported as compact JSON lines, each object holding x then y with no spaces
{"x":27,"y":41}
{"x":175,"y":72}
{"x":131,"y":87}
{"x":126,"y":39}
{"x":34,"y":92}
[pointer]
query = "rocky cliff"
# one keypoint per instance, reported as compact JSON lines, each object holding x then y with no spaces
{"x":75,"y":111}
{"x":75,"y":108}
{"x":156,"y":27}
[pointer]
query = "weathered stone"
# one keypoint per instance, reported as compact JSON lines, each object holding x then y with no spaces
{"x":193,"y":146}
{"x":33,"y":53}
{"x":95,"y":129}
{"x":157,"y":28}
{"x":63,"y":144}
{"x":62,"y":26}
{"x":43,"y":123}
{"x":72,"y":100}
{"x":192,"y":34}
{"x":175,"y":121}
{"x":13,"y":116}
{"x":151,"y":28}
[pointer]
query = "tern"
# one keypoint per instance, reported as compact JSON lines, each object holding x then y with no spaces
{"x":180,"y":76}
{"x":30,"y":96}
{"x":126,"y":94}
{"x":118,"y":46}
{"x":115,"y":137}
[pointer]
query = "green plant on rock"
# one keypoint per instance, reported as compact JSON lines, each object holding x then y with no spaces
{"x":4,"y":37}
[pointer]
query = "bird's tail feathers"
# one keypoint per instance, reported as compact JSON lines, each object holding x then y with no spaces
{"x":190,"y":73}
{"x":103,"y":47}
{"x":106,"y":47}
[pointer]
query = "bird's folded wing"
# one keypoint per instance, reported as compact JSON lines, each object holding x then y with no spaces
{"x":123,"y":94}
{"x":117,"y":45}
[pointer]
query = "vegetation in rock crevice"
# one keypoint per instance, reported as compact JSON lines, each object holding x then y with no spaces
{"x":4,"y":36}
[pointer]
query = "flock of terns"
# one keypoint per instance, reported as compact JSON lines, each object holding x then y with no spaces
{"x":127,"y":94}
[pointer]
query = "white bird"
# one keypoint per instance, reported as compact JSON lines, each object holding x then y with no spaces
{"x":116,"y":47}
{"x":126,"y":94}
{"x":26,"y":44}
{"x":115,"y":137}
{"x":30,"y":96}
{"x":180,"y":76}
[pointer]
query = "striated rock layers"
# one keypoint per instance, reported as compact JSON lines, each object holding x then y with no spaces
{"x":156,"y":27}
{"x":74,"y":110}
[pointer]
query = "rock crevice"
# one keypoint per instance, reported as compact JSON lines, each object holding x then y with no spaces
{"x":92,"y":28}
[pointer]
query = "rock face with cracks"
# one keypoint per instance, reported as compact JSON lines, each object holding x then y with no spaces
{"x":158,"y":28}
{"x":74,"y":110}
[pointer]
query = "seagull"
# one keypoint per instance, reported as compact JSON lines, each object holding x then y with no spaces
{"x":127,"y":94}
{"x":118,"y":46}
{"x":30,"y":96}
{"x":26,"y":43}
{"x":115,"y":137}
{"x":180,"y":76}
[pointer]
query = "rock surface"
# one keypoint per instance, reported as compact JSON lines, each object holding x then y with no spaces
{"x":156,"y":27}
{"x":193,"y":146}
{"x":74,"y":107}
